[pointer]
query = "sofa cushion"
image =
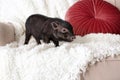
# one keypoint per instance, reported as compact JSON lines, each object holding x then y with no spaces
{"x":6,"y":33}
{"x":94,"y":16}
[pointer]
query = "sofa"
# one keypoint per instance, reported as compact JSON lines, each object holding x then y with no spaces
{"x":107,"y":69}
{"x":12,"y":35}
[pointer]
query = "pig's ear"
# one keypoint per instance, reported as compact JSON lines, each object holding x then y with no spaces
{"x":55,"y":25}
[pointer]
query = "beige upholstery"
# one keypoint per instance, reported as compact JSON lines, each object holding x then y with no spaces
{"x":109,"y":69}
{"x":6,"y":33}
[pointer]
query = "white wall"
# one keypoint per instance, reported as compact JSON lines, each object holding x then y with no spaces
{"x":114,"y":2}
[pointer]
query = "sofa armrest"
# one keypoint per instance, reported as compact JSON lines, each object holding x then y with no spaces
{"x":7,"y":33}
{"x":108,"y":69}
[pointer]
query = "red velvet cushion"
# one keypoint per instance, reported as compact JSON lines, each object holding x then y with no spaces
{"x":94,"y":16}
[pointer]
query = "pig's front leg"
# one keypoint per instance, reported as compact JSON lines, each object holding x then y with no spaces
{"x":56,"y":43}
{"x":46,"y":39}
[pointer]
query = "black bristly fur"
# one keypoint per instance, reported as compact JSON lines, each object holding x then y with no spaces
{"x":39,"y":26}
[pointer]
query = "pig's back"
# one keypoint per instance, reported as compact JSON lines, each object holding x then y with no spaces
{"x":34,"y":23}
{"x":35,"y":19}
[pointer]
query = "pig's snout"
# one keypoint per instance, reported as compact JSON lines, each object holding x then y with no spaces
{"x":72,"y":38}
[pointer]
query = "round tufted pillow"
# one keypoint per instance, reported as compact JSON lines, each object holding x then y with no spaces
{"x":93,"y":16}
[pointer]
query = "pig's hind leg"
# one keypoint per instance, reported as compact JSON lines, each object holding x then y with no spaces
{"x":37,"y":38}
{"x":27,"y":37}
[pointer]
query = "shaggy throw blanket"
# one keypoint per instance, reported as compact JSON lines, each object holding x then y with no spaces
{"x":46,"y":62}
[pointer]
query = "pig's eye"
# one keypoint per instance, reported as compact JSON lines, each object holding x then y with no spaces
{"x":64,"y":30}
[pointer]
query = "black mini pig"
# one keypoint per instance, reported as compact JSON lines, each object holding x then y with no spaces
{"x":48,"y":29}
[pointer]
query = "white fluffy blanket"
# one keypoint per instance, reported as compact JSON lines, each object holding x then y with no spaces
{"x":46,"y":62}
